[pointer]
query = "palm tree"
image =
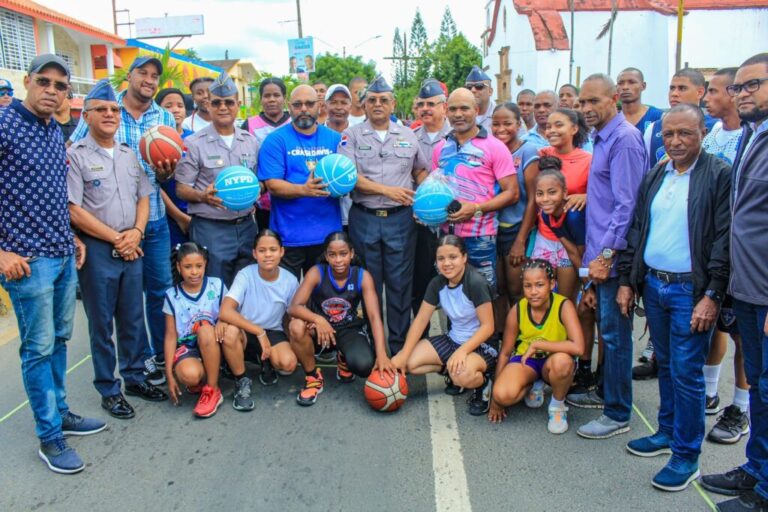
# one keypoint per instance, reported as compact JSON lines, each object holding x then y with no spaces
{"x":608,"y":29}
{"x":172,"y":75}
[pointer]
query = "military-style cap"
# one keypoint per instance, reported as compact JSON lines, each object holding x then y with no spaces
{"x":477,"y":75}
{"x":223,"y":86}
{"x":45,"y":60}
{"x":379,"y":85}
{"x":337,"y":88}
{"x":140,"y":62}
{"x":102,"y":91}
{"x":430,"y":88}
{"x":6,"y":84}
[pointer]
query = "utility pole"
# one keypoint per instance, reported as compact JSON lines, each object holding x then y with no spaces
{"x":114,"y":15}
{"x":298,"y":18}
{"x":679,"y":49}
{"x":573,"y":39}
{"x":405,"y":57}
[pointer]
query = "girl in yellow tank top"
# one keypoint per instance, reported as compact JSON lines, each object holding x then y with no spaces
{"x":542,"y":338}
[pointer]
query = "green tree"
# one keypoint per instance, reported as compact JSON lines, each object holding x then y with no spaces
{"x":172,"y":76}
{"x":400,"y":70}
{"x":191,"y":53}
{"x":333,"y":69}
{"x":453,"y":60}
{"x":418,"y":50}
{"x":447,"y":25}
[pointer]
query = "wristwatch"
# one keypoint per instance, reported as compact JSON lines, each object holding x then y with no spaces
{"x":714,"y":295}
{"x":607,"y":253}
{"x":478,"y":212}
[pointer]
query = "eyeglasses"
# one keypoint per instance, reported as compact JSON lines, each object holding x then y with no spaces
{"x":373,"y":100}
{"x":428,"y":104}
{"x":5,"y":92}
{"x":479,"y":86}
{"x":749,"y":86}
{"x":45,"y":83}
{"x":228,"y":102}
{"x":103,"y":110}
{"x":296,"y":105}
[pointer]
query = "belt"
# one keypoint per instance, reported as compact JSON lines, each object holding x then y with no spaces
{"x":238,"y":220}
{"x":380,"y":212}
{"x":671,"y":277}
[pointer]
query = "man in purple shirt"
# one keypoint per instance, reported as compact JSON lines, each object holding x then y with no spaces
{"x":619,"y":162}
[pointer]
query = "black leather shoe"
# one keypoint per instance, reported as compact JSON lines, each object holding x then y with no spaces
{"x":118,"y":407}
{"x":146,"y":391}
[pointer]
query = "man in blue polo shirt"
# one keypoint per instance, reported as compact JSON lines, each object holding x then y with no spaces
{"x":140,"y":113}
{"x":37,"y":255}
{"x":302,"y":210}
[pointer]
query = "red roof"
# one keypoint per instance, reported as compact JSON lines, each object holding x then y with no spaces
{"x":36,"y":10}
{"x":547,"y":24}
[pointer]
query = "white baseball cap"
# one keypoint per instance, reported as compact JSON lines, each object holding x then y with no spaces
{"x":337,"y":88}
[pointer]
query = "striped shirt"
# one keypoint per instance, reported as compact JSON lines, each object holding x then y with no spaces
{"x":130,"y":132}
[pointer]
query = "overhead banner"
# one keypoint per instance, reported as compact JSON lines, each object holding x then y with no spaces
{"x":301,"y":56}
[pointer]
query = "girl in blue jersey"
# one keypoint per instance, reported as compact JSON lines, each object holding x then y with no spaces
{"x":193,"y":330}
{"x":542,"y":337}
{"x":463,"y":354}
{"x":325,"y":308}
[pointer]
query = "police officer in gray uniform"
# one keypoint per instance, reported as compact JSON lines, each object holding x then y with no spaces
{"x":227,"y":234}
{"x":109,"y":204}
{"x":390,"y":164}
{"x":431,"y":108}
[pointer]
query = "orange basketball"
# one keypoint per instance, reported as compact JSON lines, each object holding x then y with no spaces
{"x":161,"y":143}
{"x":385,"y":393}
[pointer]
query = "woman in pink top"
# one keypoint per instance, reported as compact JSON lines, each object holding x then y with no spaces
{"x":566,"y":132}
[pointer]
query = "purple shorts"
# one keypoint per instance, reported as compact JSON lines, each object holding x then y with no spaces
{"x":536,"y":364}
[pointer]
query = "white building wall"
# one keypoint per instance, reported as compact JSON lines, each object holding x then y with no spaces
{"x":642,"y":39}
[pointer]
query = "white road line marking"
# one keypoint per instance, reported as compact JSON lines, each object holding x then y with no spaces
{"x":451,"y":490}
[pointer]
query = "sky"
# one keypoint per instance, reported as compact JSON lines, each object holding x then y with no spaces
{"x":257,"y":30}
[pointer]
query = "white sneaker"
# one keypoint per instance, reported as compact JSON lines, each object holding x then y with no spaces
{"x":558,"y":420}
{"x":535,"y":396}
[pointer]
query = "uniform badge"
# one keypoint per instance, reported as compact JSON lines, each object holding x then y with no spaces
{"x":344,"y":140}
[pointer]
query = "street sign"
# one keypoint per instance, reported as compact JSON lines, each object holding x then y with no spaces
{"x":169,"y":26}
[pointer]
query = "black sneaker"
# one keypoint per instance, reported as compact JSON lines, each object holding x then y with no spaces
{"x":480,"y":399}
{"x":583,"y":381}
{"x":225,"y":371}
{"x":646,"y":371}
{"x":242,"y":400}
{"x":747,"y":502}
{"x":153,"y":375}
{"x":733,"y":483}
{"x":730,"y":426}
{"x":451,"y":388}
{"x":712,"y":405}
{"x":268,"y":375}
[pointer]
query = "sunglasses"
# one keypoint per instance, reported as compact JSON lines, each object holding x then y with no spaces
{"x":478,"y":86}
{"x":228,"y":102}
{"x":428,"y":104}
{"x":296,"y":105}
{"x":45,"y":83}
{"x":103,"y":110}
{"x":5,"y":92}
{"x":371,"y":100}
{"x":749,"y":86}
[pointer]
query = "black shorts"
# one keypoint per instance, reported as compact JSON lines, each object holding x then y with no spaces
{"x":253,"y":347}
{"x":504,"y":240}
{"x":445,"y":348}
{"x":185,"y":352}
{"x":726,"y":320}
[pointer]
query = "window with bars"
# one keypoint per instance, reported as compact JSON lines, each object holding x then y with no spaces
{"x":17,"y":40}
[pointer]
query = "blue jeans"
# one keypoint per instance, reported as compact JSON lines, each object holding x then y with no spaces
{"x":754,"y":343}
{"x":44,"y":304}
{"x":157,"y":279}
{"x":680,"y":355}
{"x":617,"y":352}
{"x":481,"y":254}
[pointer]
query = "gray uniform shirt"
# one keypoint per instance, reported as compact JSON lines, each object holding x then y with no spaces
{"x":107,"y":187}
{"x":207,"y":155}
{"x":486,"y":120}
{"x":391,"y":162}
{"x":428,"y":145}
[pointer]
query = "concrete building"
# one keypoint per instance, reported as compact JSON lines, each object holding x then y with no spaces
{"x":527,"y":43}
{"x":243,"y":73}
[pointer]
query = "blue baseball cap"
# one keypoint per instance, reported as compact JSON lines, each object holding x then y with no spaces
{"x":6,"y":84}
{"x":140,"y":62}
{"x":47,"y":59}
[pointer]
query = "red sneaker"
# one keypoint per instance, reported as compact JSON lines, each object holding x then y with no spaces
{"x":343,"y":373}
{"x":209,"y":402}
{"x":313,"y":386}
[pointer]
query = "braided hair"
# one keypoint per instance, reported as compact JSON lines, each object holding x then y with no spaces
{"x":537,"y":263}
{"x":180,"y":252}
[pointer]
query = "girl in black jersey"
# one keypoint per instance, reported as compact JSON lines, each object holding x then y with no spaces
{"x":325,"y":308}
{"x":463,"y":353}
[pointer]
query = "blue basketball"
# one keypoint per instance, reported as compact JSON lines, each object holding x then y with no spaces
{"x":238,"y":187}
{"x":338,"y":172}
{"x":430,"y":204}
